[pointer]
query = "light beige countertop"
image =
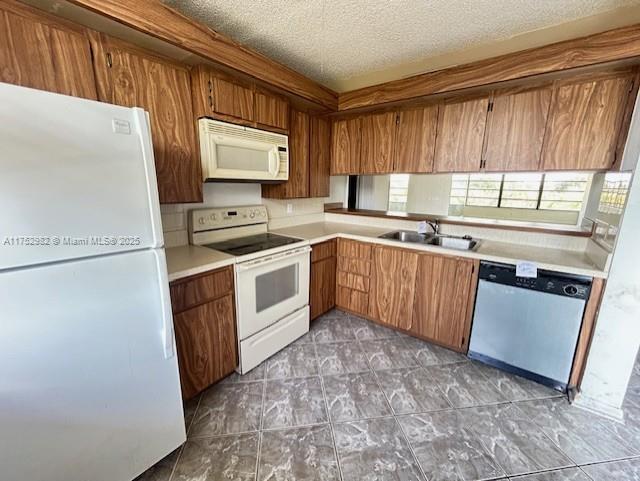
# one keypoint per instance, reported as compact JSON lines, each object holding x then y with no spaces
{"x":566,"y":261}
{"x":185,"y":261}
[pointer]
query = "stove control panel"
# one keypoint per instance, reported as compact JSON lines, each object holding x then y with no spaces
{"x":225,"y":217}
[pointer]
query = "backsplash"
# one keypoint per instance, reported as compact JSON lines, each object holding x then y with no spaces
{"x":282,"y":213}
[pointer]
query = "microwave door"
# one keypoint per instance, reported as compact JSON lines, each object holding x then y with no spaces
{"x":234,"y":158}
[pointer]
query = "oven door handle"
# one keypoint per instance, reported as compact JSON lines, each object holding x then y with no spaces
{"x":245,"y":266}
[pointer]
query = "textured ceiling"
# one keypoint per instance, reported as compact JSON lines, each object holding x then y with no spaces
{"x":335,"y":40}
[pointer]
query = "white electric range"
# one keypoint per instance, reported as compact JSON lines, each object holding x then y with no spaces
{"x":271,"y":278}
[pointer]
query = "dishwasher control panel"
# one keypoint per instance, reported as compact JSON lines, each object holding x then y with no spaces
{"x":568,"y":285}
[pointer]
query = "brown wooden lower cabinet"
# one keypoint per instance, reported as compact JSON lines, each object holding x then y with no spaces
{"x":352,"y":276}
{"x":322,"y":290}
{"x":393,"y":286}
{"x":205,"y":328}
{"x":444,"y":297}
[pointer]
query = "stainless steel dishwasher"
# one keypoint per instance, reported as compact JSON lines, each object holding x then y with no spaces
{"x":528,"y":326}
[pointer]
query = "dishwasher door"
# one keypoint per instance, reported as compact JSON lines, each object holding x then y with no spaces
{"x":534,"y":332}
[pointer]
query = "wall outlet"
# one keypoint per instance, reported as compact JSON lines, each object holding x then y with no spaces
{"x":289,"y":208}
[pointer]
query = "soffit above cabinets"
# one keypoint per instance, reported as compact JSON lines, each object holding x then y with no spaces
{"x":348,"y":44}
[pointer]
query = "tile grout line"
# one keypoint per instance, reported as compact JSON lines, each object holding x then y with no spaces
{"x":188,"y":428}
{"x":399,"y":425}
{"x":326,"y":405}
{"x":544,"y":433}
{"x":261,"y":425}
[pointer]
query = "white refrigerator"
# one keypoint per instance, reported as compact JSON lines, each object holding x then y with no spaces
{"x":89,"y":385}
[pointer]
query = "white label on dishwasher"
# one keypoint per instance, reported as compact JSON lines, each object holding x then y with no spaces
{"x":526,"y":269}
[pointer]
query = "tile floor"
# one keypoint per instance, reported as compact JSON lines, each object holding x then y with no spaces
{"x":355,"y":401}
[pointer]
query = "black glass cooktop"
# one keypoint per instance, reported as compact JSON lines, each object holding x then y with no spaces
{"x":251,"y":244}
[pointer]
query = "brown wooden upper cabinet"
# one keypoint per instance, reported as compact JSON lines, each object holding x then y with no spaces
{"x":271,"y":110}
{"x":584,"y":124}
{"x":216,"y":94}
{"x":392,"y":287}
{"x":298,"y":184}
{"x":346,"y":139}
{"x":416,"y":140}
{"x":129,"y":76}
{"x":319,"y":157}
{"x":443,"y":310}
{"x":515,"y":131}
{"x":44,"y":52}
{"x":221,"y":96}
{"x":461,"y":126}
{"x":378,"y":141}
{"x":309,"y":159}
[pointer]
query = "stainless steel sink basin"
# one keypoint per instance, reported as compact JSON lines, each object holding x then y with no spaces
{"x":406,"y":236}
{"x":464,"y":243}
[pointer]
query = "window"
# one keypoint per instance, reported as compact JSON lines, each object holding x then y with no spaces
{"x":398,"y":192}
{"x":564,"y":191}
{"x":556,"y":191}
{"x":614,"y":193}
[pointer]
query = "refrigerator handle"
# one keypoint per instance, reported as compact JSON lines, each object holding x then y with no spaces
{"x":165,"y":306}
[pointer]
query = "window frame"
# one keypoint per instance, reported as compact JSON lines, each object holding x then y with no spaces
{"x":501,"y":191}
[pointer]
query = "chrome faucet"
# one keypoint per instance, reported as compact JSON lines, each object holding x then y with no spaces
{"x":434,"y":225}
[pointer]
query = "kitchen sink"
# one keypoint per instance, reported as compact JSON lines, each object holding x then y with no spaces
{"x":464,"y":243}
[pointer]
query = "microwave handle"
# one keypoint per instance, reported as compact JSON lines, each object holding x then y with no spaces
{"x":274,"y":161}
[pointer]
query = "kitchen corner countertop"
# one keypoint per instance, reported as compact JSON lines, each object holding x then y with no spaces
{"x":185,"y":261}
{"x":559,"y":260}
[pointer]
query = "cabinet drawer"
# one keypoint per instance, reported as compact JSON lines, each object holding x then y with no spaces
{"x":356,"y":266}
{"x":352,"y":300}
{"x":197,"y":290}
{"x":350,"y":248}
{"x":323,"y":250}
{"x":353,"y":281}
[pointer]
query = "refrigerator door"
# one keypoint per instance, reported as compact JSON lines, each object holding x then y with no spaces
{"x":78,"y":178}
{"x":89,"y":385}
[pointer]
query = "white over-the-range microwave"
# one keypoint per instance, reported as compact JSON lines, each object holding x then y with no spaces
{"x":233,"y":152}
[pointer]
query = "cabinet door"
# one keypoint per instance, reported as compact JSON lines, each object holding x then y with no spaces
{"x":322,"y":293}
{"x":271,"y":110}
{"x":442,"y":311}
{"x":319,"y":157}
{"x":129,"y":76}
{"x":345,"y":154}
{"x":39,"y":52}
{"x":232,"y":98}
{"x":378,"y":143}
{"x":206,"y":344}
{"x":416,"y":140}
{"x":461,"y":128}
{"x":515,"y":131}
{"x":584,"y":123}
{"x":393,"y":284}
{"x":298,"y":184}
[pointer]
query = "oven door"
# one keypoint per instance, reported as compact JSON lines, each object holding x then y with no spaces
{"x":270,"y":288}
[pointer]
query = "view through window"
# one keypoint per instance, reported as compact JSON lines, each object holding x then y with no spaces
{"x":398,"y":192}
{"x":614,"y":192}
{"x":564,"y":191}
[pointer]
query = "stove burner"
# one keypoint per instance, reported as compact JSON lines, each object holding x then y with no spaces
{"x":250,"y":244}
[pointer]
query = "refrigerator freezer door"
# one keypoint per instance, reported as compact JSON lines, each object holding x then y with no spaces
{"x":78,"y":178}
{"x":88,"y":390}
